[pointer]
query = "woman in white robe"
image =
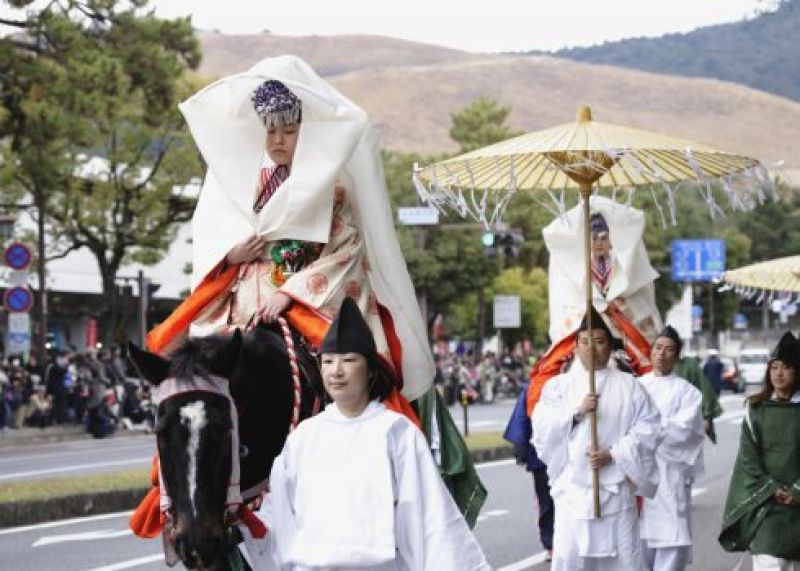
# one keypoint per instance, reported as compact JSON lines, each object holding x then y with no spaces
{"x":356,"y":486}
{"x":629,"y":277}
{"x":334,"y":199}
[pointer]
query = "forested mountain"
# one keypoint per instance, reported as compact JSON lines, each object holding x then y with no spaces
{"x":763,"y":52}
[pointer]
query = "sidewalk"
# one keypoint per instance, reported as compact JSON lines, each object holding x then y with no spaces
{"x":27,"y":436}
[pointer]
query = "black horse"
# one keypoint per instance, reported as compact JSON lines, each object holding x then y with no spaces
{"x":193,"y":429}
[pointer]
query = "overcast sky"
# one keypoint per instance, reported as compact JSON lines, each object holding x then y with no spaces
{"x":489,"y":25}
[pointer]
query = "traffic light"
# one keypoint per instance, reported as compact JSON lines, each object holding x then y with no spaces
{"x":505,"y":242}
{"x":509,"y":242}
{"x":489,"y":245}
{"x":152,"y":288}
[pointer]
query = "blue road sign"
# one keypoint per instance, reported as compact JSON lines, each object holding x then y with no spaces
{"x":697,"y":260}
{"x":18,"y":299}
{"x":18,"y":256}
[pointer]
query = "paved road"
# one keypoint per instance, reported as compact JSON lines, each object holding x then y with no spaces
{"x":506,"y":529}
{"x":21,"y":463}
{"x":484,"y":417}
{"x":78,"y":457}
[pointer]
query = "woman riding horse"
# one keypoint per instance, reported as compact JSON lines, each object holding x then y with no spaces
{"x":293,"y":230}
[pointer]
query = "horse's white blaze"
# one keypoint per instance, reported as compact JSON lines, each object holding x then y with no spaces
{"x":195,"y":415}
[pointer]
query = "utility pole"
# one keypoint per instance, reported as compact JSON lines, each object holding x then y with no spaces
{"x":41,"y":270}
{"x":712,"y":328}
{"x":422,"y":233}
{"x":144,"y":291}
{"x":481,"y":324}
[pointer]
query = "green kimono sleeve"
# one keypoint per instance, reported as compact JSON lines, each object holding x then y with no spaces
{"x":456,"y":467}
{"x":749,"y":493}
{"x":691,"y":371}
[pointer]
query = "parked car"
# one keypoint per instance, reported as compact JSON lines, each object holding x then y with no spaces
{"x":732,"y":376}
{"x":753,"y":365}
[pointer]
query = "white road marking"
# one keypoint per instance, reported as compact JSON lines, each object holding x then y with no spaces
{"x":131,"y":563}
{"x":698,"y":491}
{"x":480,"y":423}
{"x":74,"y":467}
{"x":525,"y":563}
{"x":62,"y":522}
{"x":49,"y":455}
{"x":732,"y":399}
{"x":732,"y":415}
{"x":195,"y":415}
{"x":83,"y":536}
{"x":492,"y":513}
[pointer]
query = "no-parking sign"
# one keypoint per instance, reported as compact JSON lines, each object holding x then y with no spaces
{"x":18,"y":299}
{"x":18,"y":256}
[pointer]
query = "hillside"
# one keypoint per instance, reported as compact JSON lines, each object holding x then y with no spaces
{"x":329,"y":55}
{"x":412,"y":106}
{"x":761,"y":52}
{"x":410,"y":91}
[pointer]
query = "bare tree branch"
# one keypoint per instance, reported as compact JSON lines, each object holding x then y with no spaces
{"x":14,"y":23}
{"x":76,"y":245}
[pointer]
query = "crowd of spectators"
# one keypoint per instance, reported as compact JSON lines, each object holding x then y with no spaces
{"x":460,"y":377}
{"x":90,"y":389}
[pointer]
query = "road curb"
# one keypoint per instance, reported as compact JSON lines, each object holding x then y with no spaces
{"x":13,"y":514}
{"x":28,"y":512}
{"x":30,"y":436}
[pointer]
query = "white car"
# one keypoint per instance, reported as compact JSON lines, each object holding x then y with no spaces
{"x":753,"y":365}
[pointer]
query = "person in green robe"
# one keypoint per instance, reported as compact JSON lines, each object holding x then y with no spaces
{"x":688,"y":368}
{"x":762,"y":513}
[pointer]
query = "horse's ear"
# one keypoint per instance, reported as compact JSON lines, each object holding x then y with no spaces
{"x":226,"y":358}
{"x":150,"y":366}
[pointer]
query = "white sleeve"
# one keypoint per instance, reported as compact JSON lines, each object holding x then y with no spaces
{"x":278,"y":513}
{"x":683,"y":434}
{"x":270,"y":552}
{"x":551,"y":423}
{"x":431,"y":533}
{"x":634,"y":453}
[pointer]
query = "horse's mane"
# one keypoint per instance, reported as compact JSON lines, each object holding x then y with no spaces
{"x":192,"y":357}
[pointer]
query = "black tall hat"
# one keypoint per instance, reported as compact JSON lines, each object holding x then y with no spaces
{"x":597,"y":323}
{"x":787,"y":350}
{"x":349,"y":333}
{"x":669,"y":332}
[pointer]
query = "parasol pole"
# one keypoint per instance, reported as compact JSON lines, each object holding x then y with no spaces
{"x":586,"y":192}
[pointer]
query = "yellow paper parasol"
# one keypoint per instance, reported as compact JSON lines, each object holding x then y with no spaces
{"x":780,"y":275}
{"x":584,"y":155}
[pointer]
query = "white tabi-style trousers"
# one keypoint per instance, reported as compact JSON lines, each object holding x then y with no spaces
{"x":764,"y":562}
{"x":667,"y":558}
{"x":618,"y":533}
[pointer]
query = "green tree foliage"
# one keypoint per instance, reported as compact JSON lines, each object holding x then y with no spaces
{"x":530,"y":285}
{"x":89,"y":128}
{"x":481,"y":123}
{"x":768,"y":231}
{"x":447,"y":262}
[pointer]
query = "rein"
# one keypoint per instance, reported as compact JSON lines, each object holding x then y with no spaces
{"x":287,"y":337}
